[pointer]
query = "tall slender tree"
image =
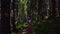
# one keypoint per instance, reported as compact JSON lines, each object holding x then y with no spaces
{"x":13,"y":18}
{"x":59,"y":7}
{"x":58,"y":23}
{"x":40,"y":9}
{"x":54,"y":8}
{"x":5,"y":17}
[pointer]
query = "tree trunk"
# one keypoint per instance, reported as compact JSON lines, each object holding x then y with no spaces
{"x":13,"y":17}
{"x":59,"y":7}
{"x":5,"y":17}
{"x":53,"y":9}
{"x":40,"y":11}
{"x":58,"y":23}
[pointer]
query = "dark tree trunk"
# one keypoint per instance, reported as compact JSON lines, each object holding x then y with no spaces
{"x":53,"y":9}
{"x":5,"y":17}
{"x":40,"y":12}
{"x":50,"y":8}
{"x":58,"y":23}
{"x":59,"y":7}
{"x":13,"y":17}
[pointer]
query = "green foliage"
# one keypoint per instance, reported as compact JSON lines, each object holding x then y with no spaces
{"x":13,"y":33}
{"x":20,"y":26}
{"x":39,"y":26}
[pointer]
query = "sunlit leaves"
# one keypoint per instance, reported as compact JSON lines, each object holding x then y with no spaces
{"x":46,"y":17}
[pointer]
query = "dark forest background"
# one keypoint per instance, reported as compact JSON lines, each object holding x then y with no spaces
{"x":29,"y":16}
